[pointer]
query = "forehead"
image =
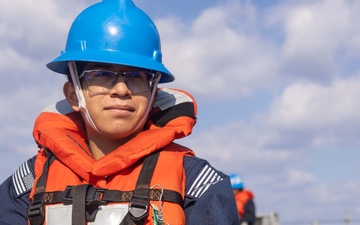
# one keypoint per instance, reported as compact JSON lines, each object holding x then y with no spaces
{"x":114,"y":67}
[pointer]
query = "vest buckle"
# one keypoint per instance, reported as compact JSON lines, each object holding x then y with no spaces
{"x":139,"y":203}
{"x":92,"y":195}
{"x":36,"y":210}
{"x":138,"y":210}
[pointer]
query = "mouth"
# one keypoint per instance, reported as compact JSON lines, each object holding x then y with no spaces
{"x":120,"y":108}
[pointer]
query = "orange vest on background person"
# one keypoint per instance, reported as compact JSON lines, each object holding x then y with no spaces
{"x":242,"y":197}
{"x":73,"y":164}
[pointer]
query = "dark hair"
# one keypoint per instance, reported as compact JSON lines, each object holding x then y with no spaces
{"x":79,"y":66}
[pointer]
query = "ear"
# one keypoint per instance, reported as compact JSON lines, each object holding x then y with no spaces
{"x":70,"y":95}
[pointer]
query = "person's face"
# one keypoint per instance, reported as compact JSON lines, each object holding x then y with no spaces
{"x":117,"y":113}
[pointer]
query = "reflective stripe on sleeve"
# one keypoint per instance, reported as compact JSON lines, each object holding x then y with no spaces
{"x":207,"y":177}
{"x":22,"y":179}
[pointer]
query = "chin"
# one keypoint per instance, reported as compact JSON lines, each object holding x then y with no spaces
{"x":120,"y":134}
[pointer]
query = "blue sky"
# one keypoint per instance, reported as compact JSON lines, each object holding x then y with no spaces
{"x":277,"y":84}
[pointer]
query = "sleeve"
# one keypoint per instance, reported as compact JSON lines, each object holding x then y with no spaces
{"x":14,"y":195}
{"x":249,"y":215}
{"x":209,"y":198}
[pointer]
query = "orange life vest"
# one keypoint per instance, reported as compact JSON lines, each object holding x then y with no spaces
{"x":71,"y":166}
{"x":241,"y":198}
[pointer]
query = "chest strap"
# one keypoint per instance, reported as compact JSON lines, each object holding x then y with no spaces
{"x":139,"y":202}
{"x":36,"y":208}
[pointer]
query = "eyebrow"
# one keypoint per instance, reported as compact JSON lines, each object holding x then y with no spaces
{"x":109,"y":67}
{"x":99,"y":65}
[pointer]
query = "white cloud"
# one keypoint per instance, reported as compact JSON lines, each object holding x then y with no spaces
{"x":318,"y":37}
{"x":216,"y":53}
{"x":37,"y":32}
{"x":237,"y":49}
{"x":9,"y":56}
{"x":321,"y":25}
{"x":310,"y":105}
{"x":327,"y":114}
{"x":232,"y":49}
{"x":295,"y":179}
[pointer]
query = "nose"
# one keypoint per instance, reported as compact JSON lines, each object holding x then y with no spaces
{"x":120,"y":88}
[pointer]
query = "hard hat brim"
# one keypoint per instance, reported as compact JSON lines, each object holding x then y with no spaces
{"x":59,"y":64}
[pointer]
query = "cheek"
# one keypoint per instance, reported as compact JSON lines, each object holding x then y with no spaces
{"x":93,"y":103}
{"x":143,"y":103}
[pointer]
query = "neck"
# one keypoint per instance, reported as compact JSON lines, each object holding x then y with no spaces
{"x":100,"y":146}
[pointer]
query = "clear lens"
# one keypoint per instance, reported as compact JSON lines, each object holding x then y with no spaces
{"x":102,"y":81}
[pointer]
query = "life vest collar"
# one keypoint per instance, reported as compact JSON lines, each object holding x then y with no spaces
{"x":64,"y":135}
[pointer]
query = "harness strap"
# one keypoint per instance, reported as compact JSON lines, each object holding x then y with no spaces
{"x":36,"y":208}
{"x":40,"y":185}
{"x":139,"y":202}
{"x":154,"y":194}
{"x":78,"y":209}
{"x":104,"y":195}
{"x":85,"y":197}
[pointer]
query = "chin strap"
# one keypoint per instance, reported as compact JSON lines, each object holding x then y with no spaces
{"x":151,"y":101}
{"x":80,"y":95}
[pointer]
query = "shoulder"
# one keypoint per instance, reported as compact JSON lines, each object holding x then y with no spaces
{"x":209,"y":198}
{"x":200,"y":176}
{"x":23,"y":178}
{"x":249,"y":193}
{"x":14,"y":194}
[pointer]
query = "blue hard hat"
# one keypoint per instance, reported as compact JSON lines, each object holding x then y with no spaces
{"x":236,"y":181}
{"x":114,"y":32}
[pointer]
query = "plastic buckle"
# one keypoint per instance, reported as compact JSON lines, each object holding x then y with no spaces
{"x":139,"y":203}
{"x":137,"y":211}
{"x":67,"y":195}
{"x":36,"y":211}
{"x":94,"y":195}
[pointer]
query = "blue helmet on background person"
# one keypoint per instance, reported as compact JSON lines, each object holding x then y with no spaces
{"x":114,"y":32}
{"x":236,"y":181}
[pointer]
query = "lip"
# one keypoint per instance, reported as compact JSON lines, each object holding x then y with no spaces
{"x":119,"y":108}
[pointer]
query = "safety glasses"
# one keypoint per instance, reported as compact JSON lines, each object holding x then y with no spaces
{"x":102,"y":81}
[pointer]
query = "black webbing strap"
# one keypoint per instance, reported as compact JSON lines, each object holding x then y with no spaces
{"x":154,"y":195}
{"x":140,"y":200}
{"x":41,"y":183}
{"x":79,"y":200}
{"x":36,"y":209}
{"x":93,"y":193}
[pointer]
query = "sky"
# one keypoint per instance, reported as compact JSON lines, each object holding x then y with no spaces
{"x":277,"y":85}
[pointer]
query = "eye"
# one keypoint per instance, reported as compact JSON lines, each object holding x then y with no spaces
{"x":134,"y":75}
{"x":99,"y":75}
{"x":140,"y":75}
{"x":103,"y":73}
